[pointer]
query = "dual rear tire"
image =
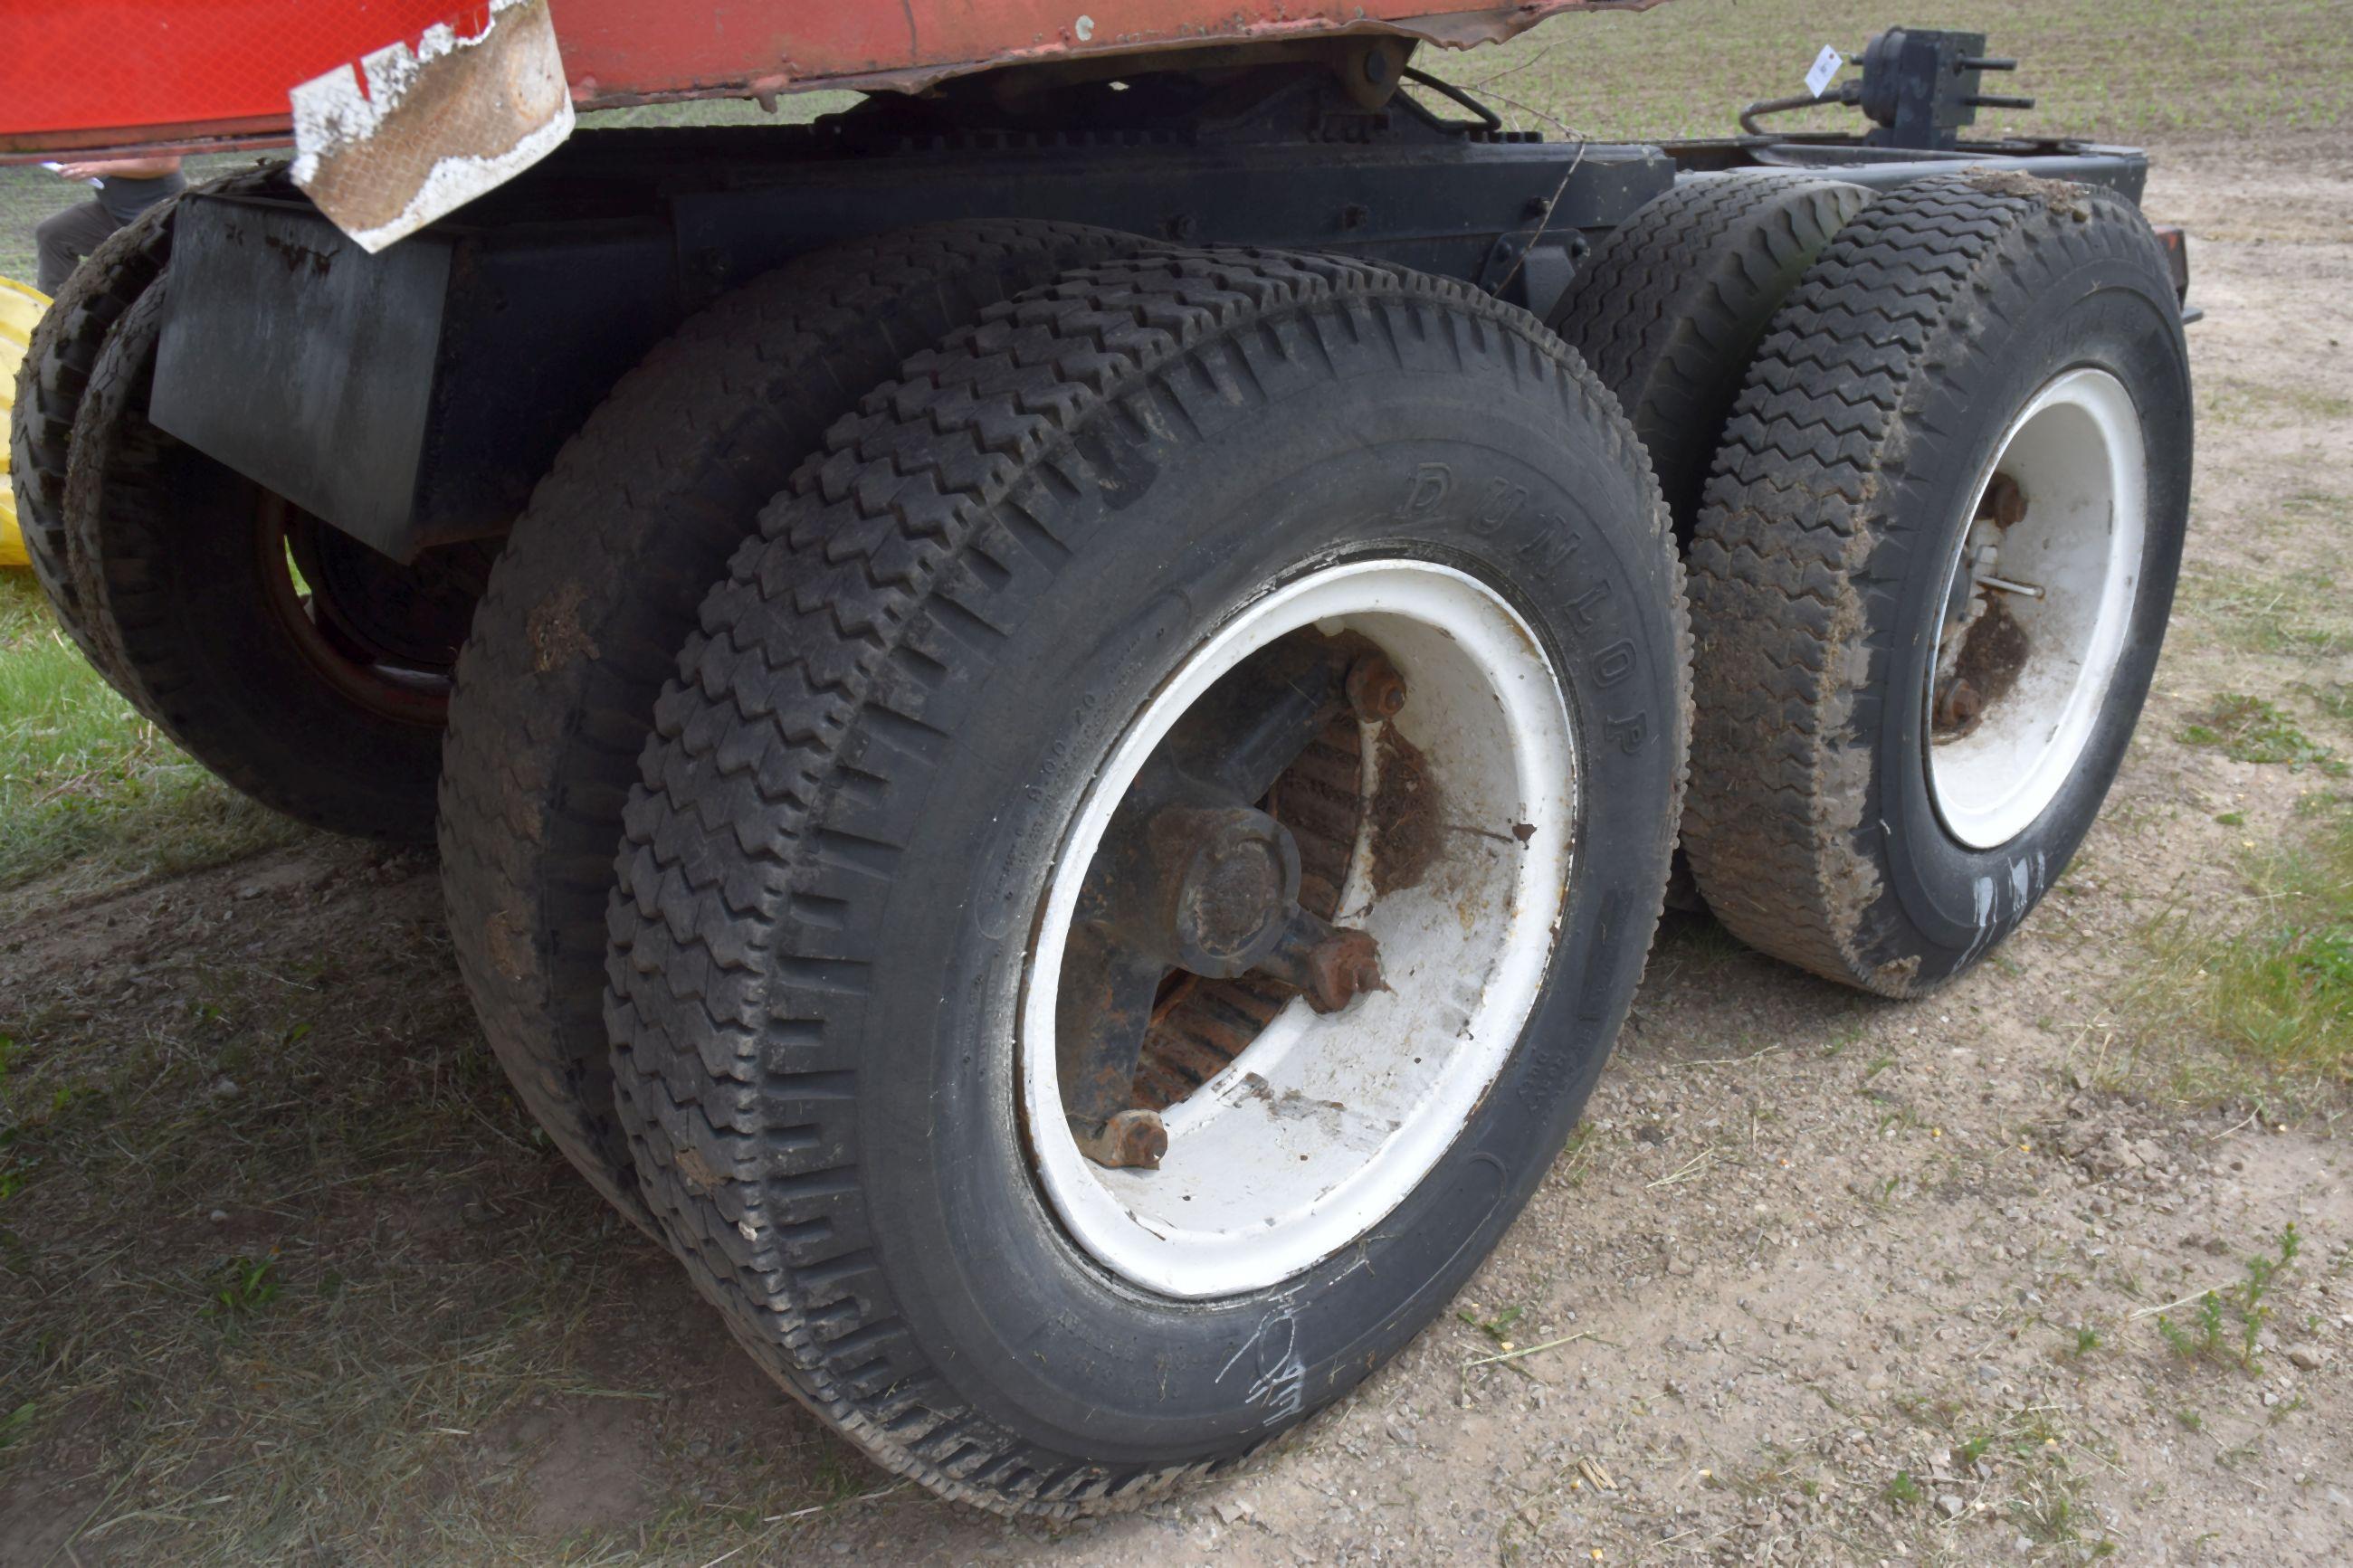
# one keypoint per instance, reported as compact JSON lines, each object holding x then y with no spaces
{"x":834,"y":941}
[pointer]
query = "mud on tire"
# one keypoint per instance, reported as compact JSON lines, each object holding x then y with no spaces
{"x":1901,"y":386}
{"x":858,"y":789}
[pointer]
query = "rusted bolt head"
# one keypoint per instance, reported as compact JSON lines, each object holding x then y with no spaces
{"x":1130,"y":1141}
{"x":1958,"y":705}
{"x":1376,"y":690}
{"x":2004,"y":503}
{"x":1341,"y":968}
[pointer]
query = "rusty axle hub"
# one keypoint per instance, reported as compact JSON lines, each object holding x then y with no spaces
{"x":1194,"y":877}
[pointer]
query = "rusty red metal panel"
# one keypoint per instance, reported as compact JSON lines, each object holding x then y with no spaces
{"x":82,"y":73}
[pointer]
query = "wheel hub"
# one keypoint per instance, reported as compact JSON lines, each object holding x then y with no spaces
{"x":1189,"y":878}
{"x":2037,"y":608}
{"x":1297,"y":927}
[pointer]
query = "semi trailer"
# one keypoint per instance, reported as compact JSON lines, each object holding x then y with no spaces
{"x":1057,"y":707}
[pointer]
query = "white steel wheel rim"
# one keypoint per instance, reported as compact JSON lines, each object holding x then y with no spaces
{"x":1324,"y":1124}
{"x":2077,"y":453}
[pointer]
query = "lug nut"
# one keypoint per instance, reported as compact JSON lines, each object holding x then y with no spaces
{"x":2004,"y":503}
{"x":1376,"y":690}
{"x":1340,"y":968}
{"x":1131,"y":1140}
{"x":1957,"y":706}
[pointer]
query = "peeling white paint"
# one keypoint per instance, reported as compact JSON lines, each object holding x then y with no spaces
{"x":358,"y":151}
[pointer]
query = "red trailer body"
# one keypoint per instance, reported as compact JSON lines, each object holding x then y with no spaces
{"x":122,"y":73}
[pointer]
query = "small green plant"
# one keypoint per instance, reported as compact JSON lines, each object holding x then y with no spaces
{"x":2233,"y":819}
{"x":242,"y":1286}
{"x":2087,"y":1339}
{"x":2229,"y":1321}
{"x":1497,"y":1328}
{"x":2191,"y":1419}
{"x":2250,"y":730}
{"x":1903,"y":1491}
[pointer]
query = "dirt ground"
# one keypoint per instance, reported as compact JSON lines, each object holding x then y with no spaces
{"x":1821,"y":1279}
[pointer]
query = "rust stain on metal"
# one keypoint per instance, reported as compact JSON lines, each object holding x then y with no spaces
{"x":401,"y":137}
{"x":1131,"y":1140}
{"x":1409,"y":826}
{"x":1340,"y":968}
{"x":1376,"y":690}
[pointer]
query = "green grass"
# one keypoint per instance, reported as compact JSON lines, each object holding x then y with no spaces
{"x":2252,"y":730}
{"x":2275,"y":986}
{"x":2120,"y":69}
{"x":2283,"y":989}
{"x":85,"y":782}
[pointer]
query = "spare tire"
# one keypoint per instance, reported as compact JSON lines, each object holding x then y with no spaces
{"x":1671,"y":304}
{"x":1933,"y":573}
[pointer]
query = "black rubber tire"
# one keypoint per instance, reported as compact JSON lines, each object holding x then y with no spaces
{"x":597,"y":588}
{"x":163,"y":548}
{"x":855,"y":792}
{"x":1820,"y":566}
{"x":1671,"y":304}
{"x":54,"y":376}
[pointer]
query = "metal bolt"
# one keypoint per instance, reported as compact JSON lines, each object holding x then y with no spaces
{"x":1376,"y":690}
{"x":1130,"y":1141}
{"x":1339,"y":968}
{"x":2004,"y":503}
{"x":1957,"y":706}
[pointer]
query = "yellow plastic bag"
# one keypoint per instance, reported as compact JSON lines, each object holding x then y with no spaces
{"x":20,"y":306}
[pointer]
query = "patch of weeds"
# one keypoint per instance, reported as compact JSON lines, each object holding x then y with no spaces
{"x":2233,"y":819}
{"x":2227,"y":1322}
{"x":15,"y":1424}
{"x":2278,"y":989}
{"x":1903,"y":1491}
{"x":242,"y":1286}
{"x":2087,"y":1340}
{"x":2191,"y":1419}
{"x":2335,"y":699}
{"x":2250,"y":729}
{"x":1497,"y":1328}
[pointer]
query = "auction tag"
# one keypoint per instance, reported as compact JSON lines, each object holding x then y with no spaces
{"x":1826,"y":66}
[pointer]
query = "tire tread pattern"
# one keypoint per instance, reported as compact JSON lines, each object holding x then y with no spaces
{"x":1791,"y":622}
{"x":597,"y":586}
{"x":1670,"y":307}
{"x":762,"y":831}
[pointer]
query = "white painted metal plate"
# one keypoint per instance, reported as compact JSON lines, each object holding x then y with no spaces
{"x":401,"y":137}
